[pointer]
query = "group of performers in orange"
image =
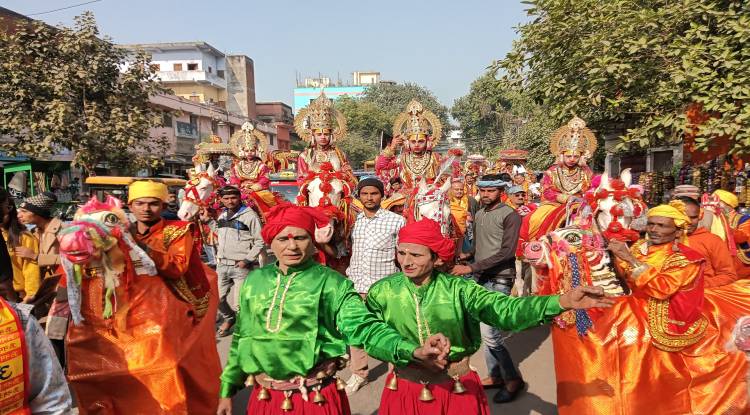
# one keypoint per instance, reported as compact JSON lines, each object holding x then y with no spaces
{"x":142,"y":305}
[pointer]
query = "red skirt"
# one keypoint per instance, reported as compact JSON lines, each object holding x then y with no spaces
{"x":336,"y":403}
{"x":405,"y":400}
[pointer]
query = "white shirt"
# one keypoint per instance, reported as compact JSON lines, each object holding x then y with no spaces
{"x":374,"y":248}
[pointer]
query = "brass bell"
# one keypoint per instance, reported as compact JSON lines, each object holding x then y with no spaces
{"x":426,"y":395}
{"x":263,"y":395}
{"x":287,"y":404}
{"x":319,"y":398}
{"x":458,"y":387}
{"x":340,"y":384}
{"x":393,"y":383}
{"x":250,"y":381}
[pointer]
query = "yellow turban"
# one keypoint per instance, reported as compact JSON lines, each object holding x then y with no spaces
{"x":675,"y":210}
{"x":728,"y":197}
{"x":147,"y":188}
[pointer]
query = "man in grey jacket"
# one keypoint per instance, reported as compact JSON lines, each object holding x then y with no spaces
{"x":238,"y":245}
{"x":496,"y":229}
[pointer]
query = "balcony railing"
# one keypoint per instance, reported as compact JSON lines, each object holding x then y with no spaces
{"x":186,"y":130}
{"x":194,"y":76}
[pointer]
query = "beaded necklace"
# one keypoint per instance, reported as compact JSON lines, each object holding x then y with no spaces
{"x":281,"y":302}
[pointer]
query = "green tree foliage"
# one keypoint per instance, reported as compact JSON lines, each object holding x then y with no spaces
{"x":634,"y":67}
{"x":365,"y":123}
{"x":494,"y":118}
{"x":63,"y":88}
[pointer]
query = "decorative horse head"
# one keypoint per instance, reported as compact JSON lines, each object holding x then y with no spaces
{"x":325,"y":188}
{"x":432,"y":202}
{"x":616,"y":208}
{"x":576,"y":254}
{"x":98,"y":242}
{"x":199,"y":192}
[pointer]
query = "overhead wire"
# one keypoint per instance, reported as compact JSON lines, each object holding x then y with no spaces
{"x":63,"y":8}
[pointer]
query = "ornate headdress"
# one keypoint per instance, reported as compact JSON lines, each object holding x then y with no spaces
{"x":320,"y":115}
{"x":417,"y":120}
{"x":574,"y":137}
{"x":215,"y":146}
{"x":248,"y":137}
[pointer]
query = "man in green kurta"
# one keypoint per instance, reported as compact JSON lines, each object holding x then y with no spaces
{"x":295,"y":320}
{"x":421,"y":300}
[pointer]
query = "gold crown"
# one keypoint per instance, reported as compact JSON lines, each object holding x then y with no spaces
{"x":320,"y":115}
{"x":247,"y":138}
{"x":416,"y":121}
{"x":574,"y":137}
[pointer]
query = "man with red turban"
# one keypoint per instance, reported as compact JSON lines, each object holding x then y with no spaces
{"x":296,"y":318}
{"x":421,"y":300}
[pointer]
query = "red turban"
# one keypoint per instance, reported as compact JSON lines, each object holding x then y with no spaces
{"x":427,"y":232}
{"x":287,"y":214}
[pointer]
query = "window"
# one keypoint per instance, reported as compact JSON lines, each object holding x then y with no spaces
{"x":220,"y":73}
{"x":166,"y":119}
{"x":214,"y":126}
{"x":231,"y":130}
{"x":209,"y":69}
{"x":270,"y":139}
{"x":194,"y":120}
{"x":156,"y":67}
{"x":177,"y":67}
{"x":192,"y":67}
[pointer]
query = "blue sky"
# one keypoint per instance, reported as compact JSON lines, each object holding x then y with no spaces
{"x":441,"y":44}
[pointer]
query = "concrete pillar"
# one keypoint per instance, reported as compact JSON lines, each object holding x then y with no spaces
{"x":240,"y":76}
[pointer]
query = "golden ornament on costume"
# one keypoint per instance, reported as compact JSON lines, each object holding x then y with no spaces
{"x":393,"y":383}
{"x":204,"y":150}
{"x":574,"y":137}
{"x":418,"y":121}
{"x":425,"y":395}
{"x":320,"y":115}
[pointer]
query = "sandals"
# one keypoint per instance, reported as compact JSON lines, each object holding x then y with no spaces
{"x":505,"y":396}
{"x":224,"y":332}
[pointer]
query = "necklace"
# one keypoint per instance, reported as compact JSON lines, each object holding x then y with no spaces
{"x":417,"y":165}
{"x":247,"y":168}
{"x":420,"y":321}
{"x":321,"y":156}
{"x":281,"y":302}
{"x":570,"y":183}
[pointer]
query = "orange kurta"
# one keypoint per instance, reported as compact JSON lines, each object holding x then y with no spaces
{"x":155,"y":355}
{"x":742,"y":239}
{"x":617,"y":369}
{"x":718,"y":269}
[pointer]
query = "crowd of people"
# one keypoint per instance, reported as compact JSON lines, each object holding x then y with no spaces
{"x":366,"y":268}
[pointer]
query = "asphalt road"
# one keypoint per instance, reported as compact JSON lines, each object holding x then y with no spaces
{"x":532,"y":349}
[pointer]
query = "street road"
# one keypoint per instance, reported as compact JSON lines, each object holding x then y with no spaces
{"x":532,"y":348}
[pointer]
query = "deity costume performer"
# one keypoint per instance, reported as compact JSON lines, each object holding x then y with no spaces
{"x":251,"y":168}
{"x":322,"y":126}
{"x":451,"y":305}
{"x":142,"y":339}
{"x":570,"y":177}
{"x":475,"y":167}
{"x":418,"y":130}
{"x":295,"y":320}
{"x":668,"y":336}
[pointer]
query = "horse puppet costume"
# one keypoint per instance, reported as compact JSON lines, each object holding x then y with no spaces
{"x":135,"y":345}
{"x":659,"y":337}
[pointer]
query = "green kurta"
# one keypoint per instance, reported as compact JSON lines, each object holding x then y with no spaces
{"x":455,"y":306}
{"x":322,"y":313}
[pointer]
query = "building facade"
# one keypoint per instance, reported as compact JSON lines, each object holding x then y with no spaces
{"x":214,"y":94}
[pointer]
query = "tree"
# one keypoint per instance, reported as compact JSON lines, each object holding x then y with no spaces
{"x":636,"y":67}
{"x":494,"y":117}
{"x":64,"y":88}
{"x":393,"y":99}
{"x":359,"y":149}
